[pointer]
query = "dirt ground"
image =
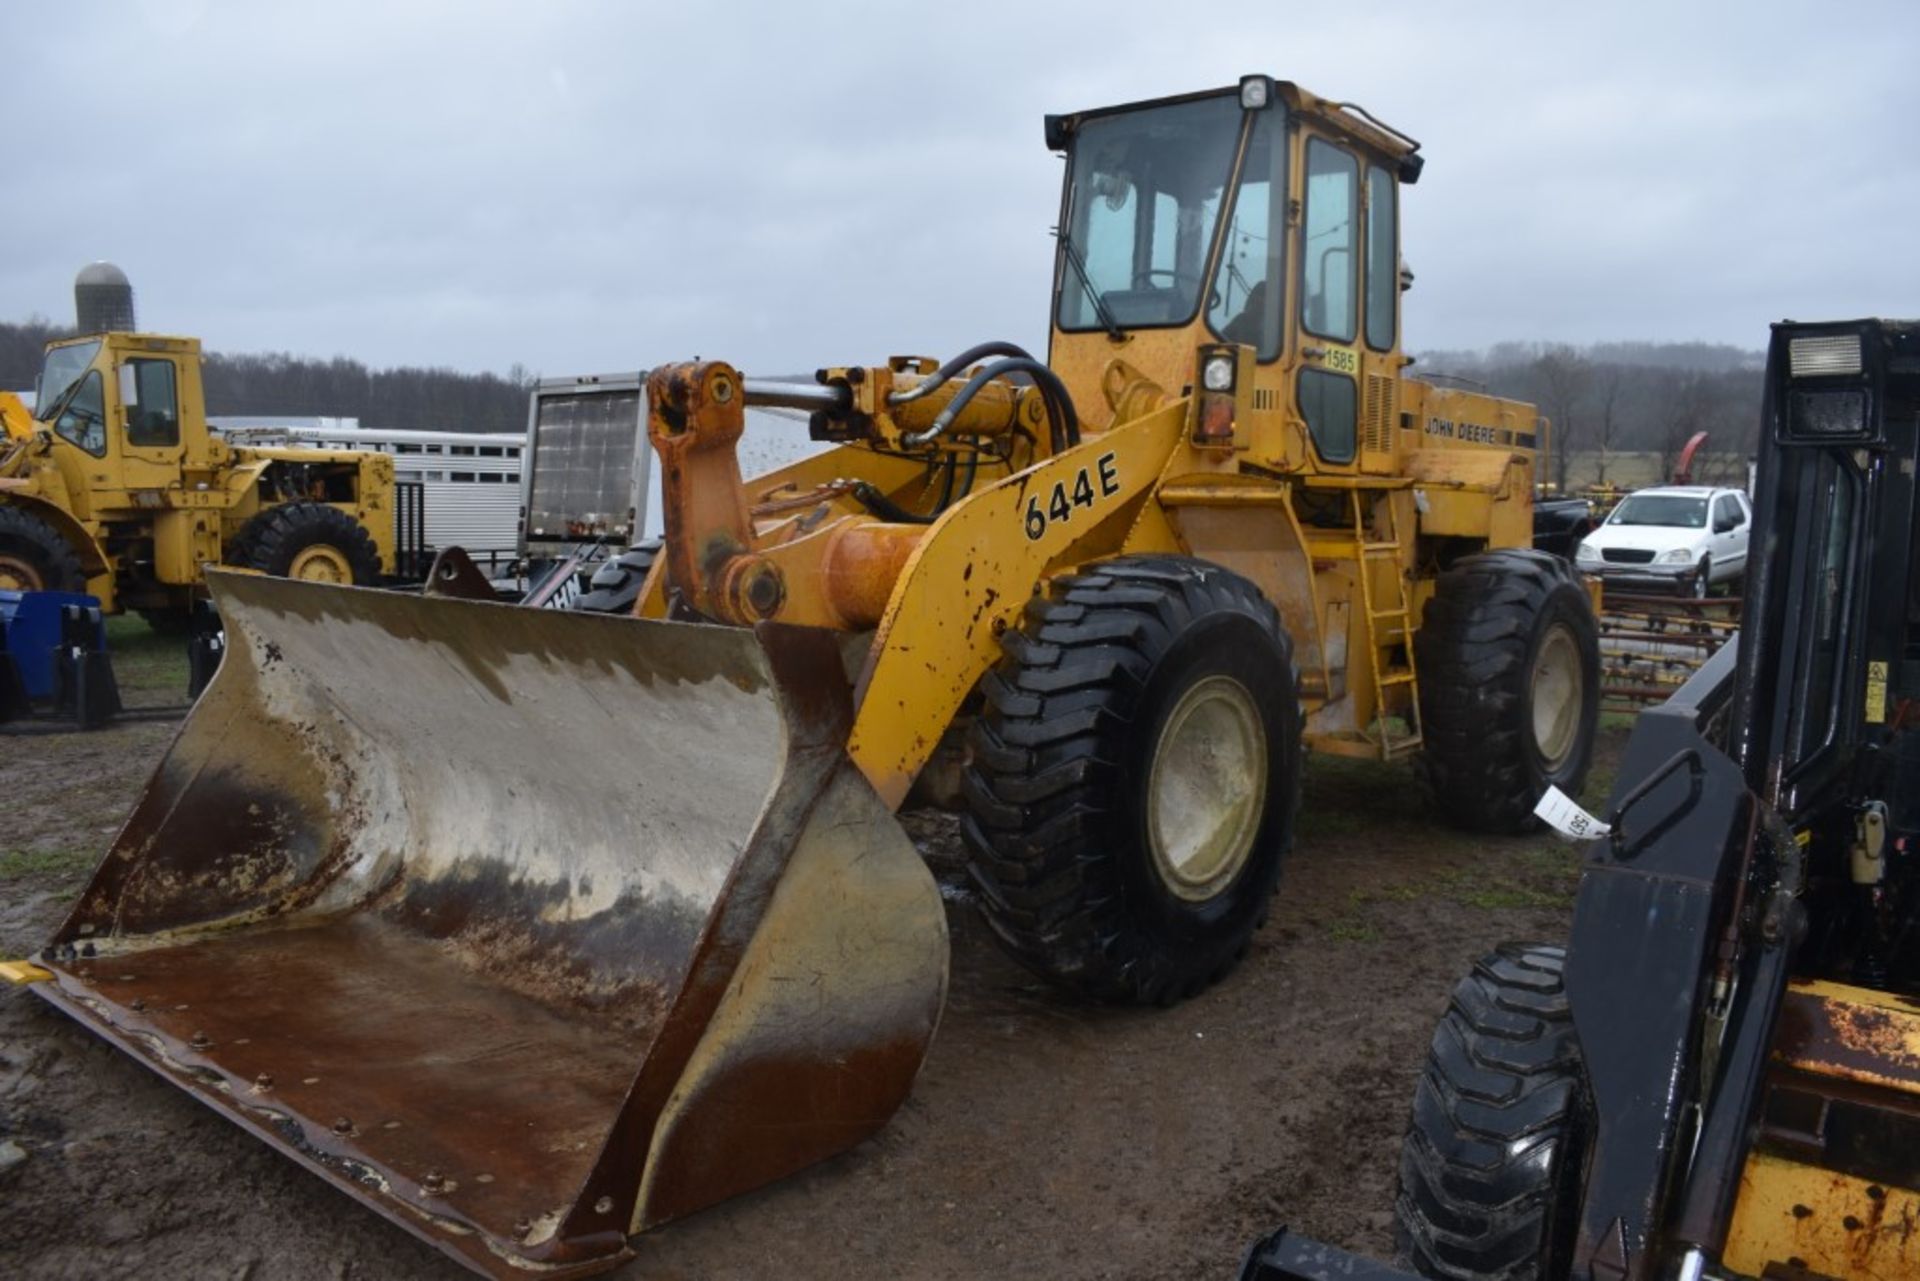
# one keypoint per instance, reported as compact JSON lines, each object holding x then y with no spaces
{"x":1043,"y":1138}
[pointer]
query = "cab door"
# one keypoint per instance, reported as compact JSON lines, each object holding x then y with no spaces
{"x":1327,"y":310}
{"x":1347,"y":305}
{"x":147,"y":428}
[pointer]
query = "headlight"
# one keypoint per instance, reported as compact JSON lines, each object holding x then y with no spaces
{"x":1217,"y":373}
{"x":1678,"y":556}
{"x":1826,"y":355}
{"x":1587,"y":551}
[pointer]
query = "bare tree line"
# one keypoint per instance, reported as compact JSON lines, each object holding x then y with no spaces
{"x":276,"y":383}
{"x":1623,"y":412}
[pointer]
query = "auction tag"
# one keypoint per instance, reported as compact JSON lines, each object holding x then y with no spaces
{"x":1567,"y":818}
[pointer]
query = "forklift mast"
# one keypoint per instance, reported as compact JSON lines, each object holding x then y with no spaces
{"x":1746,"y":939}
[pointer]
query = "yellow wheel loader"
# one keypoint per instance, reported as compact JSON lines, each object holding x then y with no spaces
{"x":535,"y":929}
{"x":118,"y":488}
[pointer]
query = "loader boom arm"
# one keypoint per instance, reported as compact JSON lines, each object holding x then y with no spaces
{"x":937,"y":595}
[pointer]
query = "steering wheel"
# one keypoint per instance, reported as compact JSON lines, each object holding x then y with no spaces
{"x":1180,"y":280}
{"x":1175,"y":279}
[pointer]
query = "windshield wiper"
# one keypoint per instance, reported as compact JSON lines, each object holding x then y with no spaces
{"x":1100,"y":311}
{"x":60,"y":402}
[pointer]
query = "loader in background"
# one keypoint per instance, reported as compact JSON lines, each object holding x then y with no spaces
{"x":572,"y":924}
{"x":16,"y":421}
{"x":1718,"y":1078}
{"x":118,"y":489}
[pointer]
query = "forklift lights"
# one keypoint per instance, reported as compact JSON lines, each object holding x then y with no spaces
{"x":1216,"y":373}
{"x":1255,"y":92}
{"x":1824,"y":356}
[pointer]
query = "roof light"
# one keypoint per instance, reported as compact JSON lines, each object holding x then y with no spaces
{"x":1824,"y":356}
{"x":1255,"y":92}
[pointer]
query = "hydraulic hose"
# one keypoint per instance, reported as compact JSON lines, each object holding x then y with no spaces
{"x":1064,"y":422}
{"x":939,"y":377}
{"x":886,"y":509}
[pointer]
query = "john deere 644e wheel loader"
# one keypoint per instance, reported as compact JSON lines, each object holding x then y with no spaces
{"x":607,"y":918}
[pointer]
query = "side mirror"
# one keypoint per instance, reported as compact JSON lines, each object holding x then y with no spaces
{"x":1722,"y":524}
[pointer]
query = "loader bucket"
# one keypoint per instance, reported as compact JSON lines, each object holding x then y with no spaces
{"x":531,"y":930}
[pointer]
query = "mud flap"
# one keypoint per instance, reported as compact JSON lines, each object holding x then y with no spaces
{"x":528,"y":929}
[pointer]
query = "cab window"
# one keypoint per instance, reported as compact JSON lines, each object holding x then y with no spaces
{"x":84,"y":420}
{"x":153,"y":419}
{"x":1143,"y":199}
{"x":1246,"y":298}
{"x":1327,"y":259}
{"x":1327,"y":402}
{"x":1383,"y":266}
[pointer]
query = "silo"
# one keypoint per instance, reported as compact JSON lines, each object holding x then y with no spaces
{"x":103,"y":299}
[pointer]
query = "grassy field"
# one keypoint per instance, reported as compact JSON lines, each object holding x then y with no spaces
{"x":151,"y":668}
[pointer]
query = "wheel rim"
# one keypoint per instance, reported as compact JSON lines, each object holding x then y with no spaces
{"x":1207,"y":788}
{"x":321,"y":564}
{"x":18,"y":574}
{"x":1558,"y":696}
{"x":1700,"y":584}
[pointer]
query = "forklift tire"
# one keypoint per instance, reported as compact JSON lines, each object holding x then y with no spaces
{"x":616,"y":584}
{"x":1508,"y":657}
{"x":1134,"y":775}
{"x":310,"y":541}
{"x":34,"y":557}
{"x":1491,"y":1167}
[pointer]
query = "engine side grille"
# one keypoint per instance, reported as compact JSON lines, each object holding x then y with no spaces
{"x":1379,"y":413}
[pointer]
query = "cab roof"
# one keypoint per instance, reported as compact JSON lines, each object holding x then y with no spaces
{"x":1347,"y":119}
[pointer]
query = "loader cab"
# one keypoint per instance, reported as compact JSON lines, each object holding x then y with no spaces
{"x":1258,"y":215}
{"x":129,"y":408}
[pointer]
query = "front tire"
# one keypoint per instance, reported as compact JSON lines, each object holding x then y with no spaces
{"x":1491,"y":1167}
{"x":1509,"y":663}
{"x":1702,"y":585}
{"x":34,"y":557}
{"x":1134,"y":776}
{"x":309,"y":541}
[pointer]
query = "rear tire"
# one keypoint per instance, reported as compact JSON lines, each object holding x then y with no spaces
{"x":616,"y":584}
{"x":1509,"y":663}
{"x":34,"y":557}
{"x":310,"y":541}
{"x":1495,"y":1152}
{"x":1134,"y":776}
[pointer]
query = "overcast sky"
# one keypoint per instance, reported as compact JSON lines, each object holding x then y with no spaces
{"x":594,"y":186}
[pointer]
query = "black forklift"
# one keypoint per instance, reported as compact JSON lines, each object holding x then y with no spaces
{"x":1718,"y":1077}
